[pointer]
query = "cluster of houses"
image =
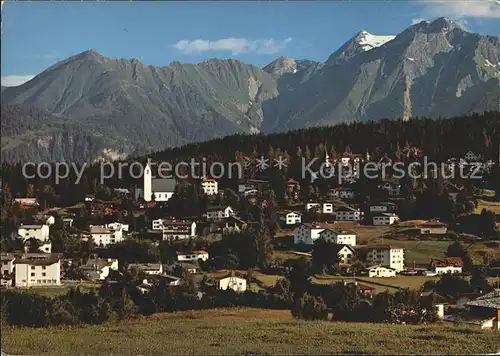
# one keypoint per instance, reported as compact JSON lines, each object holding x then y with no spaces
{"x":47,"y":270}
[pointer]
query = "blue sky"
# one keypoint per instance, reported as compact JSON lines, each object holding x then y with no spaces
{"x":37,"y":35}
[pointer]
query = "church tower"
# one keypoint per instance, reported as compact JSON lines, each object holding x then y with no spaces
{"x":147,"y":177}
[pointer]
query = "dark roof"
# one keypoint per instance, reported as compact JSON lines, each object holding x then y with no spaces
{"x":159,"y":185}
{"x":339,"y":247}
{"x":346,"y":208}
{"x":380,"y":247}
{"x":217,"y":207}
{"x":490,"y":300}
{"x":285,"y":212}
{"x":146,"y":266}
{"x":337,"y":231}
{"x":437,"y":298}
{"x":257,"y":181}
{"x":98,"y":262}
{"x":7,"y":256}
{"x":167,"y":222}
{"x":37,"y":262}
{"x":181,"y":264}
{"x":194,"y":252}
{"x":317,"y":225}
{"x":433,"y":224}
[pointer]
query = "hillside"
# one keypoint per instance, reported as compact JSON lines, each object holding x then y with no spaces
{"x":431,"y":69}
{"x":30,"y":134}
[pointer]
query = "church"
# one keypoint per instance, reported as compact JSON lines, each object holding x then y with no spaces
{"x":157,"y":189}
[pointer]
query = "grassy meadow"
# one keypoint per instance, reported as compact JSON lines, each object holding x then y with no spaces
{"x":241,"y":330}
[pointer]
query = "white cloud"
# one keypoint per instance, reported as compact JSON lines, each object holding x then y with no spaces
{"x":15,"y":80}
{"x":457,"y":10}
{"x":234,"y":45}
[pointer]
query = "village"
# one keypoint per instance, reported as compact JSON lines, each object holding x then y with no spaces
{"x":349,"y":236}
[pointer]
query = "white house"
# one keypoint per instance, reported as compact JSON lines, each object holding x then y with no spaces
{"x":210,"y":186}
{"x":385,"y":219}
{"x":447,"y":265}
{"x":162,"y":188}
{"x":290,"y":217}
{"x":327,"y":208}
{"x":347,"y":213}
{"x":39,"y":232}
{"x":433,"y":228}
{"x":346,"y":254}
{"x":98,"y":269}
{"x":7,"y":263}
{"x":235,"y":283}
{"x":380,"y":271}
{"x":118,"y":226}
{"x":338,"y":236}
{"x":385,"y":256}
{"x":178,"y":229}
{"x":104,"y":236}
{"x":192,"y":256}
{"x":215,"y":213}
{"x":308,"y":233}
{"x":312,"y":205}
{"x":151,"y":269}
{"x":157,"y":224}
{"x":38,"y":272}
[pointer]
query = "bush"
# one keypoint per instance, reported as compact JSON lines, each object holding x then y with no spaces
{"x":309,"y":307}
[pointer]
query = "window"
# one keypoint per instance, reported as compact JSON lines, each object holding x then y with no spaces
{"x":32,"y":274}
{"x":32,"y":267}
{"x":44,"y":267}
{"x":43,"y":274}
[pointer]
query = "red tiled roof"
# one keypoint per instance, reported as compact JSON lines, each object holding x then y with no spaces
{"x":448,"y":261}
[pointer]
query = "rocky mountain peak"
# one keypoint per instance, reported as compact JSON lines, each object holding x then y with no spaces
{"x":363,"y":41}
{"x":281,"y":66}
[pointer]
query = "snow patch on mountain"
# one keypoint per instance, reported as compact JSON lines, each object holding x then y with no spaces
{"x":369,"y":41}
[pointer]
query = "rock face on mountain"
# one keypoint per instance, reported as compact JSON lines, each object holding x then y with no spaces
{"x":119,"y":105}
{"x":430,"y":69}
{"x":139,"y":107}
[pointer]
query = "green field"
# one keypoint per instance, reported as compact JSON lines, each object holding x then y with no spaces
{"x":55,"y":291}
{"x":237,"y":331}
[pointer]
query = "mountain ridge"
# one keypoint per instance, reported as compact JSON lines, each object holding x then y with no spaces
{"x":430,"y":69}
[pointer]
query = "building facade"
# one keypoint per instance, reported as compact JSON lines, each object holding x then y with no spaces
{"x":39,"y":232}
{"x":385,"y":256}
{"x":37,"y":272}
{"x":210,"y":186}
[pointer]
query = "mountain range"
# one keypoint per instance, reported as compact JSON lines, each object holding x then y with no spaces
{"x":89,"y":107}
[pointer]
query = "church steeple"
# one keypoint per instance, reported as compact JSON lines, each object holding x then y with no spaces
{"x":147,"y":178}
